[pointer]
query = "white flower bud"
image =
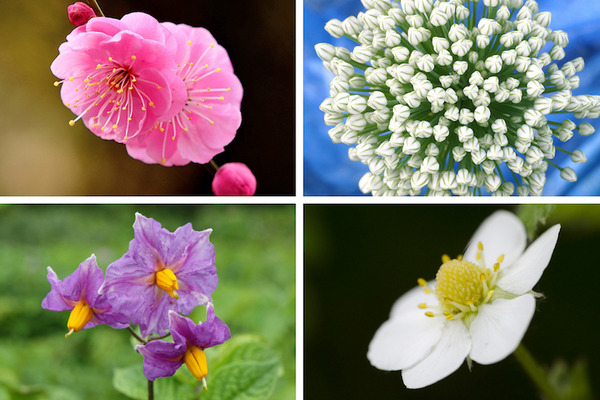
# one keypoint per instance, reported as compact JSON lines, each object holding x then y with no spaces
{"x":444,"y":58}
{"x":560,"y":38}
{"x":419,"y":180}
{"x":478,"y":156}
{"x":351,"y":26}
{"x":568,"y":174}
{"x":494,"y":152}
{"x":438,"y":18}
{"x":535,"y":73}
{"x":578,"y":157}
{"x":463,"y":177}
{"x":466,"y":116}
{"x":370,"y":18}
{"x":426,"y":63}
{"x":492,"y":183}
{"x":491,"y":84}
{"x":458,"y":32}
{"x":351,"y":153}
{"x":533,"y":155}
{"x":440,"y":44}
{"x":586,"y":129}
{"x":447,"y":180}
{"x":325,"y":51}
{"x":440,"y":133}
{"x":522,"y":63}
{"x":356,"y":122}
{"x":537,"y":179}
{"x":404,"y":72}
{"x":564,"y":134}
{"x":414,"y":21}
{"x":488,"y":166}
{"x":376,"y":165}
{"x":461,"y":47}
{"x":357,"y":82}
{"x":423,"y":130}
{"x":515,"y":96}
{"x":452,"y":113}
{"x":557,"y":53}
{"x":471,"y":91}
{"x":392,"y":38}
{"x":534,"y":118}
{"x":482,"y":41}
{"x":502,"y":95}
{"x":415,"y":160}
{"x":482,"y":115}
{"x":346,"y":70}
{"x":451,"y":96}
{"x":429,"y":165}
{"x":483,"y":99}
{"x":349,"y":137}
{"x":356,"y":104}
{"x":400,"y":53}
{"x":491,"y":3}
{"x":503,"y":13}
{"x":377,"y":100}
{"x":489,"y":27}
{"x":534,"y":88}
{"x":458,"y":153}
{"x":362,"y":54}
{"x":494,"y":64}
{"x":370,"y":182}
{"x":411,"y":146}
{"x":573,"y":82}
{"x":462,"y":12}
{"x":334,"y":28}
{"x":516,"y":165}
{"x":522,"y":145}
{"x":432,"y":150}
{"x":543,"y":105}
{"x":424,"y":6}
{"x":336,"y":133}
{"x":460,"y":67}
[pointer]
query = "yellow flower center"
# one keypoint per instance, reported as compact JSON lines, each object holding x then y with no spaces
{"x":458,"y":283}
{"x":195,"y":360}
{"x":79,"y":317}
{"x":166,"y":280}
{"x":462,"y":286}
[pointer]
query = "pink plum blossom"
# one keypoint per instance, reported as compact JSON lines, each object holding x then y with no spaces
{"x":210,"y":117}
{"x":119,"y":76}
{"x":234,"y":179}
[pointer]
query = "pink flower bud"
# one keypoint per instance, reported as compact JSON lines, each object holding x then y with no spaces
{"x":234,"y":179}
{"x":80,"y":13}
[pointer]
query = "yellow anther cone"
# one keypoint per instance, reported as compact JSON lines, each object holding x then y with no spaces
{"x":79,"y":317}
{"x":195,"y":360}
{"x":166,"y":280}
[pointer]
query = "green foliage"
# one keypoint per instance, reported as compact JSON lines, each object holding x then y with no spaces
{"x":244,"y":368}
{"x":255,"y":251}
{"x":571,"y":383}
{"x":533,"y":215}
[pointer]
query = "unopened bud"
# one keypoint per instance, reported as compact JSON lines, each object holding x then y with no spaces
{"x":234,"y":179}
{"x":80,"y":13}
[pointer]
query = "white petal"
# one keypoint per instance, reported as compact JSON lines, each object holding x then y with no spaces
{"x":446,"y":357}
{"x":404,"y":341}
{"x":501,"y":233}
{"x":408,"y":303}
{"x":523,"y":274}
{"x":499,"y":327}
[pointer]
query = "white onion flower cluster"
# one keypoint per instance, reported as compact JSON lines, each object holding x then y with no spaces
{"x":437,"y":95}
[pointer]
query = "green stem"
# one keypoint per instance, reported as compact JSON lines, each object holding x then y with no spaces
{"x":135,"y":335}
{"x":150,"y":390}
{"x":535,"y":372}
{"x":94,"y":4}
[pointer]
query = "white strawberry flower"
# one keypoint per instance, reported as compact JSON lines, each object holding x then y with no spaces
{"x":478,"y":307}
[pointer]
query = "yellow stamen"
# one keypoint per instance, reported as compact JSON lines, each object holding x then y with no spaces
{"x":80,"y":316}
{"x":166,"y":280}
{"x":195,"y":360}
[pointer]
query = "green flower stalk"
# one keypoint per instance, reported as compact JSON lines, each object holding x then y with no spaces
{"x":437,"y":95}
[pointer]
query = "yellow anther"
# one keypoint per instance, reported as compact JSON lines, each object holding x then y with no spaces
{"x":71,"y":79}
{"x":422,"y":282}
{"x":71,"y":122}
{"x":501,"y":258}
{"x":166,"y":280}
{"x":79,"y":317}
{"x":189,"y":42}
{"x":480,"y":246}
{"x":110,"y":59}
{"x":212,"y":122}
{"x":450,"y":316}
{"x":195,"y":359}
{"x":133,"y":57}
{"x":151,"y":104}
{"x":221,"y":98}
{"x":482,"y":277}
{"x":115,"y":126}
{"x":478,"y":256}
{"x":228,"y":89}
{"x":56,"y":83}
{"x":446,"y":313}
{"x":429,"y":314}
{"x":496,"y":267}
{"x":422,"y":305}
{"x":218,"y":69}
{"x":98,"y":66}
{"x":212,"y":45}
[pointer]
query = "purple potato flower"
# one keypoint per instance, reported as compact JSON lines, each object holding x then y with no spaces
{"x":162,"y":271}
{"x":163,"y":358}
{"x":78,"y":292}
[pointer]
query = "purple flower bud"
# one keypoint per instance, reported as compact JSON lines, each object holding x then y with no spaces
{"x":234,"y":179}
{"x":80,"y":13}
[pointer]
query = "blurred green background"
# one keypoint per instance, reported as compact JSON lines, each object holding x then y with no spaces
{"x":360,"y":259}
{"x":43,"y":155}
{"x":255,"y":258}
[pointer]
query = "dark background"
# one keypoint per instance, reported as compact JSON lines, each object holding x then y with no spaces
{"x":360,"y":259}
{"x":44,"y":156}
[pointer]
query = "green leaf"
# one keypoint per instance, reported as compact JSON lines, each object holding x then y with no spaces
{"x":571,"y":383}
{"x":532,"y":215}
{"x":4,"y":394}
{"x":131,"y":382}
{"x":244,"y":369}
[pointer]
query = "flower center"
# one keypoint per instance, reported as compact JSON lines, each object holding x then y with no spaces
{"x":458,"y":283}
{"x":195,"y":359}
{"x":79,"y":317}
{"x":462,"y":286}
{"x":166,"y":280}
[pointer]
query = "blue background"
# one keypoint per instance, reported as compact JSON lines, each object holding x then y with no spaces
{"x":327,"y":169}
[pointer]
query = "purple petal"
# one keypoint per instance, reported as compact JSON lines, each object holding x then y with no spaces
{"x":54,"y":300}
{"x":161,"y":358}
{"x":206,"y":334}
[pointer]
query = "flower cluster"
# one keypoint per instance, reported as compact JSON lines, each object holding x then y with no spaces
{"x":162,"y":275}
{"x":452,"y":98}
{"x":168,"y":92}
{"x":478,"y":307}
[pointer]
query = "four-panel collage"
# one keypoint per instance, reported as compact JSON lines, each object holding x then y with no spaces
{"x":209,"y":200}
